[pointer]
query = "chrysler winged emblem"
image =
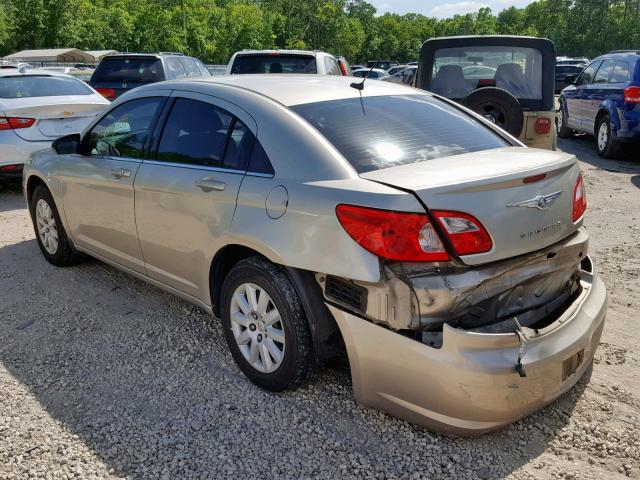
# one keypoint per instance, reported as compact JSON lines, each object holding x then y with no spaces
{"x":541,"y":202}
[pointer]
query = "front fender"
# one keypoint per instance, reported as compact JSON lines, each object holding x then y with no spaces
{"x":42,"y":165}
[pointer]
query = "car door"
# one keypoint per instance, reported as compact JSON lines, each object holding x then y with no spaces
{"x":597,"y":91}
{"x":575,"y":97}
{"x":186,"y":195}
{"x":98,"y":196}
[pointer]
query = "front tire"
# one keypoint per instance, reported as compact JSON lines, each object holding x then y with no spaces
{"x":52,"y":239}
{"x":606,"y":144}
{"x":265,"y":326}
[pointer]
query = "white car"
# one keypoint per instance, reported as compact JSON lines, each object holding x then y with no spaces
{"x":38,"y":106}
{"x":284,"y":61}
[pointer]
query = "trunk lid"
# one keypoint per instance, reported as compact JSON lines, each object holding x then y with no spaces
{"x":55,"y":116}
{"x":489,"y":185}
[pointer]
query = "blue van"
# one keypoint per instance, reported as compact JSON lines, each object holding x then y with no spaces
{"x":604,"y":101}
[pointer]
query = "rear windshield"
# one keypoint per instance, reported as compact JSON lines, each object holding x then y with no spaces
{"x":274,"y":63}
{"x":138,"y":70}
{"x":382,"y":132}
{"x":25,"y":86}
{"x":459,"y":71}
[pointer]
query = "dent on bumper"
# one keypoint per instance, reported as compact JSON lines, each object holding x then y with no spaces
{"x":470,"y":385}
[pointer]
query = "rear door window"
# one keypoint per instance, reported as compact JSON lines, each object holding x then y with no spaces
{"x":28,"y":86}
{"x":331,"y":66}
{"x":195,"y":133}
{"x":274,"y":63}
{"x":620,"y":73}
{"x":190,"y":67}
{"x":123,"y":132}
{"x":175,"y":69}
{"x":385,"y":131}
{"x":604,"y":72}
{"x":128,"y":70}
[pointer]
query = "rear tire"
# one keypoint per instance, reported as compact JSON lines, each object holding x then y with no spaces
{"x":606,"y":144}
{"x":561,"y":124}
{"x":265,"y":326}
{"x":52,"y":239}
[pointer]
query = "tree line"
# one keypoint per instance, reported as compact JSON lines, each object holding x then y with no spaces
{"x":213,"y":30}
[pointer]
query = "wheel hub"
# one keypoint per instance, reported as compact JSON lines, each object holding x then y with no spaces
{"x":257,"y":328}
{"x":46,"y":225}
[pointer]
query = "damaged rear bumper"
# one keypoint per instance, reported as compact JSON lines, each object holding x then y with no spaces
{"x":470,"y":385}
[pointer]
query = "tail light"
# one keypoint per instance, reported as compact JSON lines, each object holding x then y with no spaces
{"x":632,"y":94}
{"x":466,"y":233}
{"x":408,"y":237}
{"x":343,"y":69}
{"x":14,"y":123}
{"x":543,"y":126}
{"x":579,"y":200}
{"x":411,"y":237}
{"x":108,"y":93}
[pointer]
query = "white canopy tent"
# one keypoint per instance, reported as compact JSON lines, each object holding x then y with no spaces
{"x":100,"y":54}
{"x":51,"y":55}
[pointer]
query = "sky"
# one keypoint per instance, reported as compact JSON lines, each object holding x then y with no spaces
{"x":443,"y":8}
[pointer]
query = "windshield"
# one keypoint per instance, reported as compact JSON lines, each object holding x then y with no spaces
{"x":381,"y":132}
{"x":274,"y":63}
{"x":139,"y":70}
{"x":459,"y":71}
{"x":25,"y":86}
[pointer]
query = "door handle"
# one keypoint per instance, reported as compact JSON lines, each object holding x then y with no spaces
{"x":209,"y":185}
{"x":121,"y":172}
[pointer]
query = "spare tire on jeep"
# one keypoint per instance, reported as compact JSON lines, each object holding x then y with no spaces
{"x":497,"y":105}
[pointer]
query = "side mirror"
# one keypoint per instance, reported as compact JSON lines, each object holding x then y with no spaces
{"x":67,"y":144}
{"x":570,"y":79}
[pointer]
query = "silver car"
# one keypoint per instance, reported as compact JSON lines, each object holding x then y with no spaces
{"x":36,"y":107}
{"x":317,"y":214}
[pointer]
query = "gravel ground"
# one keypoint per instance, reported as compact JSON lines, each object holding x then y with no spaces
{"x":103,"y":376}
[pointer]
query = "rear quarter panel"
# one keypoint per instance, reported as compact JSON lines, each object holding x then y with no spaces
{"x":308,"y":235}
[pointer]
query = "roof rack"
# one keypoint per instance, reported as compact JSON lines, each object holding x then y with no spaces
{"x":171,"y":53}
{"x":637,"y":52}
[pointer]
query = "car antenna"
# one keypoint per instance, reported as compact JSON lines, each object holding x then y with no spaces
{"x":360,"y":85}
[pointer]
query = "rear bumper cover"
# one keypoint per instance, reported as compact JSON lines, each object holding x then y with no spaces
{"x":15,"y":151}
{"x":471,"y":385}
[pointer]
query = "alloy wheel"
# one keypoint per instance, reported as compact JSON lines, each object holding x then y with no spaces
{"x":257,"y":328}
{"x":603,"y":136}
{"x":559,"y":118}
{"x":47,"y":228}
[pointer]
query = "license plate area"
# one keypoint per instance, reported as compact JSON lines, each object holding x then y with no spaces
{"x":571,"y":364}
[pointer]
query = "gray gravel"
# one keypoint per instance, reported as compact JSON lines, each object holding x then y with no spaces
{"x":103,"y":376}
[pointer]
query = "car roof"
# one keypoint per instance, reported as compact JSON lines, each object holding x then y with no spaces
{"x":145,"y":55}
{"x":291,"y":89}
{"x":621,"y":55}
{"x":13,"y":72}
{"x":311,"y":53}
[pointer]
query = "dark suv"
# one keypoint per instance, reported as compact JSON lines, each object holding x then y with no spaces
{"x":604,"y":101}
{"x":121,"y":72}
